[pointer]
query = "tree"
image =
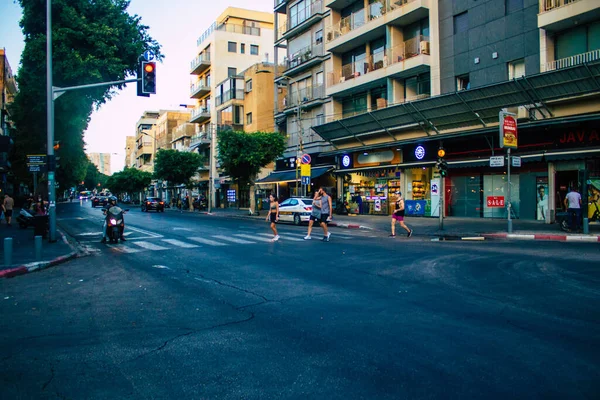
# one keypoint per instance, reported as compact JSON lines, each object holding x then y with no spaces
{"x":130,"y":180}
{"x":178,"y":167}
{"x":242,"y":154}
{"x":93,"y":41}
{"x":93,"y":177}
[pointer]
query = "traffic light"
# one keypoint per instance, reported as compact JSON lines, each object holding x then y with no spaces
{"x":441,"y":164}
{"x":148,"y":77}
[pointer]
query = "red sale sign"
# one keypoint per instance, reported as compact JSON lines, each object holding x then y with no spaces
{"x":495,"y":201}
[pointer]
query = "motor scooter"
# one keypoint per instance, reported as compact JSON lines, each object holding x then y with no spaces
{"x":25,"y":218}
{"x":115,"y":225}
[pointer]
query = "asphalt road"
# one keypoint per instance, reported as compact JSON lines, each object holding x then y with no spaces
{"x":201,"y":307}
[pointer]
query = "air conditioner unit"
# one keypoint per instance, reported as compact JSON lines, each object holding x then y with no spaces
{"x":424,"y":47}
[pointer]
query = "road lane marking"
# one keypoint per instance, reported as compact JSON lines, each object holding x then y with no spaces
{"x":124,"y":249}
{"x":207,"y":241}
{"x":149,"y":246}
{"x":255,"y":237}
{"x":284,"y":236}
{"x":179,"y":243}
{"x":183,"y":229}
{"x":231,"y":239}
{"x":151,"y":234}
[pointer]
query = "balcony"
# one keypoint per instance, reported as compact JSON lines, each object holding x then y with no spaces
{"x":199,"y":89}
{"x":228,"y":27}
{"x":556,"y":15}
{"x":307,"y":16}
{"x":200,"y":64}
{"x":567,"y":62}
{"x":370,"y":24}
{"x":183,"y":131}
{"x":407,"y":59}
{"x":307,"y":97}
{"x":229,"y":95}
{"x":199,"y":115}
{"x":304,"y":59}
{"x":280,"y":6}
{"x":144,"y":149}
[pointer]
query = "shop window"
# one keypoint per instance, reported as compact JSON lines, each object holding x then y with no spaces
{"x":461,"y":23}
{"x":232,"y":47}
{"x":495,"y":196}
{"x":254,"y":49}
{"x":464,"y":196}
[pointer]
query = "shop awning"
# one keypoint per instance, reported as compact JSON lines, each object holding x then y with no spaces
{"x":290,"y":175}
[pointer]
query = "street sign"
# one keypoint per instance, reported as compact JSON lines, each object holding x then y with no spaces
{"x":305,"y":180}
{"x":305,"y":170}
{"x":497,"y":161}
{"x":306,"y":159}
{"x":37,"y":167}
{"x":516,"y":161}
{"x":36,"y":159}
{"x":149,"y":55}
{"x":508,"y":130}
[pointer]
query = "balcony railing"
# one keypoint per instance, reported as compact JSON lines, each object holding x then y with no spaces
{"x":358,"y":19}
{"x":228,"y":27}
{"x":303,"y":15}
{"x":198,"y":111}
{"x":304,"y":95}
{"x":547,"y":5}
{"x":237,"y":94}
{"x":305,"y":54}
{"x":200,"y":86}
{"x":410,"y":48}
{"x":203,"y":58}
{"x":573,"y":60}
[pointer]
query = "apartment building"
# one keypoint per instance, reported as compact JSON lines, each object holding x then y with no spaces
{"x":130,"y":148}
{"x":166,"y":124}
{"x":248,"y":108}
{"x":8,"y":90}
{"x":145,"y":140}
{"x":538,"y":59}
{"x":237,"y":39}
{"x":101,"y":161}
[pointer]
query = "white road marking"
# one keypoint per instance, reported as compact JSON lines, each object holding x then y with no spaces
{"x":89,"y":234}
{"x":179,"y":243}
{"x":123,"y":249}
{"x":255,"y":237}
{"x":149,"y":246}
{"x":183,"y":229}
{"x":231,"y":239}
{"x":284,"y":236}
{"x":160,"y":267}
{"x":207,"y":241}
{"x":151,"y":234}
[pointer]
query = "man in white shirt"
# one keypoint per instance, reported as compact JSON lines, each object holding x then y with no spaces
{"x":573,"y":204}
{"x":542,"y":205}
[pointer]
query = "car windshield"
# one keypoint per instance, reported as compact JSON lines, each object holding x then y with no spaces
{"x":307,"y":202}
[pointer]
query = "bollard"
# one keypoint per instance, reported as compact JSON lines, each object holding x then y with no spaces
{"x":8,"y":247}
{"x":586,"y":226}
{"x":38,"y":248}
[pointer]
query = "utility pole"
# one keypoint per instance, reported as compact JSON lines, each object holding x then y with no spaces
{"x":50,"y":125}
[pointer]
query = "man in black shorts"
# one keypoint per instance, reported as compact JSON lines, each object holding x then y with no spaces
{"x":398,"y":215}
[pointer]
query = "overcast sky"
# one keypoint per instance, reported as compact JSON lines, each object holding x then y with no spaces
{"x":176,"y":25}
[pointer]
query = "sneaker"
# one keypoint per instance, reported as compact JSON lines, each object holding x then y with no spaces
{"x":409,"y":234}
{"x":276,"y":238}
{"x":307,"y":237}
{"x":103,"y":240}
{"x":327,"y":237}
{"x":123,"y":239}
{"x":392,"y":236}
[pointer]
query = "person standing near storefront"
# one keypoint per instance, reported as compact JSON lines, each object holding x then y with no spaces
{"x":542,"y":205}
{"x":573,"y":204}
{"x":398,"y":215}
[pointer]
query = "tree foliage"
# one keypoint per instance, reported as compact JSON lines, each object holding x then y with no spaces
{"x":93,"y":177}
{"x":130,"y":180}
{"x":243,"y":154}
{"x":93,"y":42}
{"x":177,"y":167}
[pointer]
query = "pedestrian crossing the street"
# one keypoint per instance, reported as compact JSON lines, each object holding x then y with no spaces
{"x":239,"y":238}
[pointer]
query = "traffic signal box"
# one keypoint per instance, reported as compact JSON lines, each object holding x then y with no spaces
{"x":147,"y":84}
{"x":441,"y":164}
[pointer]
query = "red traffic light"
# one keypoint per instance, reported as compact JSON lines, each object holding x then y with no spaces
{"x":149,"y":67}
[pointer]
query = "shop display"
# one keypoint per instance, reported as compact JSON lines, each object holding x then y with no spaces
{"x":418,"y":190}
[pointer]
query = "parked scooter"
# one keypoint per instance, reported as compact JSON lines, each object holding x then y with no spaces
{"x":25,"y":218}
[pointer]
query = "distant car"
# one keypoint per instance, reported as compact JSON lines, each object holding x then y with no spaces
{"x":153,"y":203}
{"x":85,"y":194}
{"x":295,"y":209}
{"x":100,"y":200}
{"x":96,"y":201}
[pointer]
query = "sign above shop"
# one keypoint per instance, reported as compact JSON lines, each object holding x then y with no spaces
{"x":516,"y":161}
{"x":420,"y":152}
{"x":497,"y":161}
{"x":508,"y":130}
{"x":346,"y":161}
{"x":495,"y":201}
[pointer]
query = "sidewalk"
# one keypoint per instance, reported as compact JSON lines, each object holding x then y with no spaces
{"x":454,"y":227}
{"x":23,"y":251}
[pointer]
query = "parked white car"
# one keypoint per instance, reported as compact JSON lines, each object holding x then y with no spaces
{"x":295,"y":209}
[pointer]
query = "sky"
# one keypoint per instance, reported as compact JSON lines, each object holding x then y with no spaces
{"x":176,"y":25}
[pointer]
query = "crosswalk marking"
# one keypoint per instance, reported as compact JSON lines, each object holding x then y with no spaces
{"x":232,"y":239}
{"x":179,"y":243}
{"x":255,"y":237}
{"x":149,"y":246}
{"x":126,"y":250}
{"x":207,"y":241}
{"x":284,"y":236}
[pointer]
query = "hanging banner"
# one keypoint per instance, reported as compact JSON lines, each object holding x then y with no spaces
{"x":508,"y":130}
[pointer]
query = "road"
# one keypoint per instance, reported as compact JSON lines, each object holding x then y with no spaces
{"x":202,"y":307}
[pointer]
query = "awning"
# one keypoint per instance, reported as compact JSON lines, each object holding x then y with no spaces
{"x":290,"y":175}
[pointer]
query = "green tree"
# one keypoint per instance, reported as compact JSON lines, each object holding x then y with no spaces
{"x":243,"y":154}
{"x":130,"y":180}
{"x":93,"y":41}
{"x":178,"y":167}
{"x":93,"y":177}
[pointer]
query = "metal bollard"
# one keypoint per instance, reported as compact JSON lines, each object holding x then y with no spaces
{"x":38,"y":248}
{"x":586,"y":226}
{"x":8,"y":247}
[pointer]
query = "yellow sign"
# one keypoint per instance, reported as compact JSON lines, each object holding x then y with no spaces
{"x":304,"y":169}
{"x":508,"y":130}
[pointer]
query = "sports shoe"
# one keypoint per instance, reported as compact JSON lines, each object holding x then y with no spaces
{"x":123,"y":239}
{"x":327,"y":237}
{"x":392,"y":236}
{"x":307,"y":237}
{"x":103,"y":240}
{"x":276,"y":238}
{"x":409,"y":234}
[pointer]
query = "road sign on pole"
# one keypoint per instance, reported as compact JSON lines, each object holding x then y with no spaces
{"x":149,"y":55}
{"x":516,"y":161}
{"x":497,"y":161}
{"x":305,"y":159}
{"x":305,"y":170}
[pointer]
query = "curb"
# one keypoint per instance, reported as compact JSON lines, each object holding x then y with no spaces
{"x":545,"y":236}
{"x":36,"y":266}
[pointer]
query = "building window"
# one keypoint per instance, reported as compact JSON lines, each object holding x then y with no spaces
{"x":231,"y":71}
{"x":320,"y":119}
{"x":463,"y":83}
{"x":319,"y":36}
{"x":513,"y":6}
{"x":243,"y":48}
{"x":461,"y":23}
{"x":248,"y":85}
{"x":232,"y":47}
{"x":254,"y":49}
{"x":516,"y":69}
{"x":248,"y":118}
{"x":417,"y":87}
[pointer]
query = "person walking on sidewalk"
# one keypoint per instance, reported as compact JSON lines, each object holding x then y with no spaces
{"x":325,"y":213}
{"x":398,"y":215}
{"x":8,"y":204}
{"x":315,"y":214}
{"x":573,"y":204}
{"x":273,"y":216}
